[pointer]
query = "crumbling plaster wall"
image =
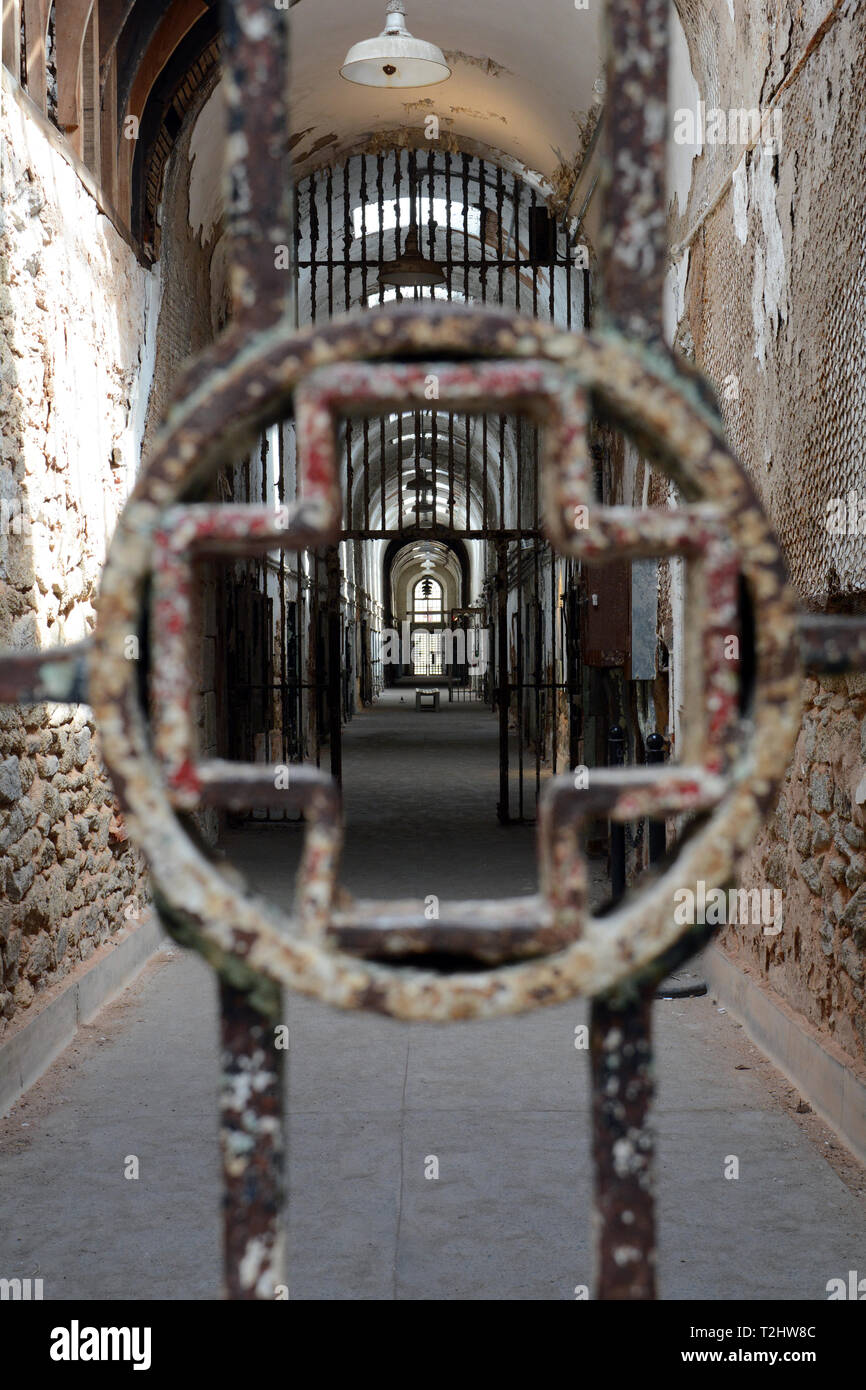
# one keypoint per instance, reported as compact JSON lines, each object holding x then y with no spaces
{"x":770,"y":274}
{"x":77,"y":332}
{"x":190,"y":213}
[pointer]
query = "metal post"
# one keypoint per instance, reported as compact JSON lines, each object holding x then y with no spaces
{"x":622,"y":1147}
{"x":656,"y":752}
{"x":259,"y":218}
{"x":620,"y":1042}
{"x":504,"y":687}
{"x":616,"y":758}
{"x":335,"y":663}
{"x":259,"y":202}
{"x":634,"y":263}
{"x":252,"y":1145}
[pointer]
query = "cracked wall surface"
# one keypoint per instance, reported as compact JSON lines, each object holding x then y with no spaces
{"x":772,"y":270}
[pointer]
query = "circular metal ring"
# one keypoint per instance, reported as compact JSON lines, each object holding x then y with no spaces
{"x":236,"y":389}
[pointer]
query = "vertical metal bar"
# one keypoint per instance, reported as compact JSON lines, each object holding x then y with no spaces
{"x":259,"y":210}
{"x":380,"y":204}
{"x":553,"y":697}
{"x":467,"y":427}
{"x":329,"y":194}
{"x":569,"y":252}
{"x":520,"y":682}
{"x":349,"y":507}
{"x":286,"y":751}
{"x":314,"y":245}
{"x":634,"y":261}
{"x":366,"y":474}
{"x":335,"y":727}
{"x":634,"y":233}
{"x":622,"y":1144}
{"x":400,"y":470}
{"x":622,"y":1077}
{"x":382,"y":471}
{"x":449,"y":250}
{"x":249,"y":626}
{"x":364,"y":233}
{"x":465,"y":190}
{"x":347,"y":238}
{"x":398,"y":178}
{"x":434,"y":450}
{"x":431,"y":221}
{"x":554,"y":240}
{"x":536,"y":595}
{"x":500,"y":240}
{"x":485,"y":475}
{"x":314,"y":659}
{"x":519,"y":470}
{"x":482,"y":199}
{"x":616,"y":758}
{"x":416,"y":426}
{"x":266,"y":668}
{"x":451,"y":469}
{"x":503,"y":519}
{"x":620,"y":1046}
{"x":572,"y":667}
{"x":296,"y":270}
{"x":656,"y":750}
{"x":516,"y":235}
{"x":502,"y":619}
{"x":252,"y":1145}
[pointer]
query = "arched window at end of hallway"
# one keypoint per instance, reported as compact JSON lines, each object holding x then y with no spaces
{"x":427,"y":601}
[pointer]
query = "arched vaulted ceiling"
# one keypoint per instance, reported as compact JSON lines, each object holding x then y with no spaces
{"x":524,"y":79}
{"x":522,"y":76}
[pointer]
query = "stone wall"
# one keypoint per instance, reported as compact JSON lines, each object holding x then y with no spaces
{"x":768,"y":289}
{"x":77,"y":327}
{"x":814,"y":851}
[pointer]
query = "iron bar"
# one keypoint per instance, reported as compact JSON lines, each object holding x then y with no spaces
{"x":616,"y":758}
{"x":252,"y":1146}
{"x":622,"y":1146}
{"x":503,"y":697}
{"x":634,"y":225}
{"x":259,"y":206}
{"x":656,"y":752}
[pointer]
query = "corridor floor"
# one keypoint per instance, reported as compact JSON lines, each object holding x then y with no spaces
{"x":503,"y":1107}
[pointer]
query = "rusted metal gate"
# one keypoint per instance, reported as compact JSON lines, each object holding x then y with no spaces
{"x":486,"y":361}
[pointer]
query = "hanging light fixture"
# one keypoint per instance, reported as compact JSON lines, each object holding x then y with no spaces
{"x":422,"y":486}
{"x":395,"y":58}
{"x":411,"y":269}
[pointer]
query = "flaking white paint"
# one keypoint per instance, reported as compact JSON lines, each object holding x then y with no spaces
{"x":207,"y":157}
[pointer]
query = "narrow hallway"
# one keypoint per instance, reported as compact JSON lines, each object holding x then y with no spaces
{"x":420,"y":792}
{"x":502,"y":1107}
{"x":433,"y":665}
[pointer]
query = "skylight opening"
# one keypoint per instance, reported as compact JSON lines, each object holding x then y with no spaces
{"x":371,"y":218}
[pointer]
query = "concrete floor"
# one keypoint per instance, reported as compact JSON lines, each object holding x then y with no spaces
{"x":503,"y":1106}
